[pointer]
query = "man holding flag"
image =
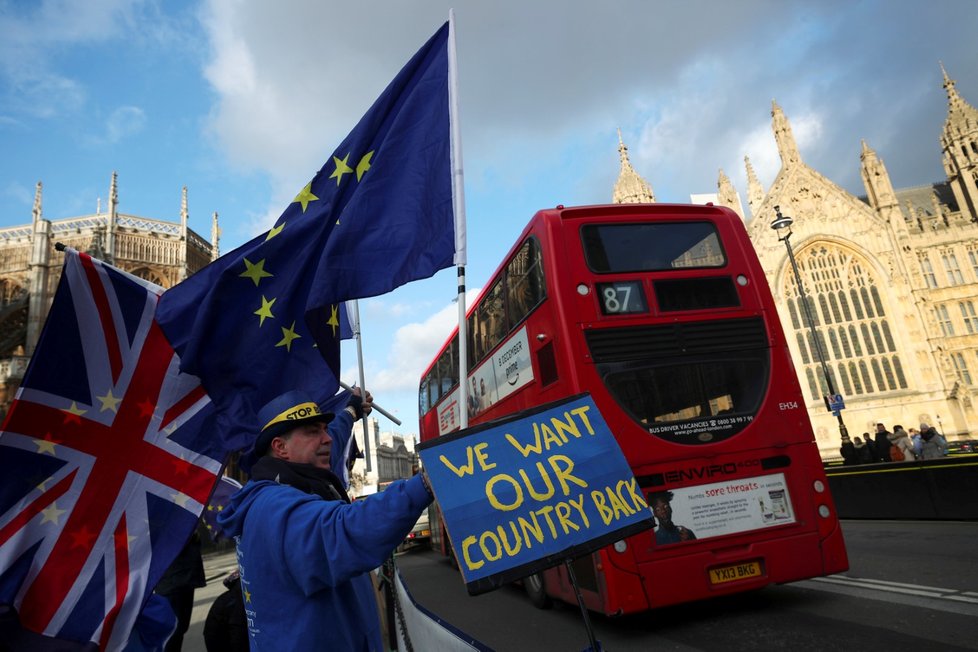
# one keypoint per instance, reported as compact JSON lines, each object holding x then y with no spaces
{"x":304,"y":550}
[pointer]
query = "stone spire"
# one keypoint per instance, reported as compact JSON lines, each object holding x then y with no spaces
{"x":37,"y":204}
{"x":184,"y":239}
{"x":961,"y":116}
{"x":959,"y":140}
{"x":787,"y":147}
{"x":630,"y":187}
{"x":879,"y":188}
{"x":215,"y":238}
{"x":109,"y":253}
{"x":727,"y":194}
{"x":755,"y":191}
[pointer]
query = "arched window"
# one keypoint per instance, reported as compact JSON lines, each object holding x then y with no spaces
{"x":845,"y":306}
{"x":864,"y":372}
{"x":867,"y":306}
{"x":849,"y":319}
{"x":846,"y":348}
{"x":890,"y":345}
{"x":855,"y":378}
{"x":866,"y":340}
{"x":802,"y":347}
{"x":878,"y":374}
{"x":888,"y":373}
{"x":856,"y":303}
{"x":878,"y":338}
{"x":794,"y":314}
{"x":899,"y":372}
{"x":824,"y":305}
{"x":876,"y":301}
{"x":845,"y":378}
{"x":855,"y":341}
{"x":812,"y":385}
{"x":836,"y":313}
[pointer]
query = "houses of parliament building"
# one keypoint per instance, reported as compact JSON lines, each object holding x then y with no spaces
{"x":891,"y":280}
{"x":891,"y":277}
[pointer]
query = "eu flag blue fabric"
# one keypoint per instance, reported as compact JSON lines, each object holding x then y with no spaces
{"x":377,"y":215}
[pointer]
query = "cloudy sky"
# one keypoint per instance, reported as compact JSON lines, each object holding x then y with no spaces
{"x":242,"y":101}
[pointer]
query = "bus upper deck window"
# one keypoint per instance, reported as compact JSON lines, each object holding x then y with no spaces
{"x":647,"y":247}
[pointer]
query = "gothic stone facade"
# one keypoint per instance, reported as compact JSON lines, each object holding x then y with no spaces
{"x":30,"y":267}
{"x":891,"y":279}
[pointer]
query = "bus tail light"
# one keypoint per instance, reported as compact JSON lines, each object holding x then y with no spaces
{"x":824,"y":511}
{"x":621,"y":546}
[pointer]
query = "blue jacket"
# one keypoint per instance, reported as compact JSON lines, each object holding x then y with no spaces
{"x":304,"y":562}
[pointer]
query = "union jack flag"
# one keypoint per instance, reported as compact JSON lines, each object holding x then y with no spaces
{"x":107,"y":457}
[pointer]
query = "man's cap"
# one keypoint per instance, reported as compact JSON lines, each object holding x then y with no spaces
{"x":283,"y":413}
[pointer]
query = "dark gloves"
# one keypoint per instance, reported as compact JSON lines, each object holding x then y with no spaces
{"x":356,"y":402}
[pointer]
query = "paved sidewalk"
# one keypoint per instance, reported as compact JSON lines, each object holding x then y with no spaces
{"x":216,"y":568}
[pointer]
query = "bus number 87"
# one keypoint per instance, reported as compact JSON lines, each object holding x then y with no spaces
{"x":622,"y":297}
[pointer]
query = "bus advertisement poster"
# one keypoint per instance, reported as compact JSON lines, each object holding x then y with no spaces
{"x":720,"y":508}
{"x":526,"y":493}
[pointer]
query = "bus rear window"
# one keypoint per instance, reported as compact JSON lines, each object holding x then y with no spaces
{"x":692,"y":401}
{"x":644,"y":247}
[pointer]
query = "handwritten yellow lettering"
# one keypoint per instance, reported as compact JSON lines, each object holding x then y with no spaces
{"x":483,"y":457}
{"x":564,"y":427}
{"x":617,"y":504}
{"x":545,"y":512}
{"x":467,"y":543}
{"x":563,"y":511}
{"x":464,"y":469}
{"x":638,"y":501}
{"x":549,"y":437}
{"x":530,"y":448}
{"x":582,"y":413}
{"x":491,"y":494}
{"x":489,"y":534}
{"x":607,"y":514}
{"x":537,"y":495}
{"x":579,"y":506}
{"x":530,"y":529}
{"x":564,"y":474}
{"x":510,"y":551}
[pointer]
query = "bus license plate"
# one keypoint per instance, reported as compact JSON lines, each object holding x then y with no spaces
{"x":734,"y":572}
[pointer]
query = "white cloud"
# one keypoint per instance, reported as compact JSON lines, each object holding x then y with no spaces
{"x":414,"y":346}
{"x":124,"y":122}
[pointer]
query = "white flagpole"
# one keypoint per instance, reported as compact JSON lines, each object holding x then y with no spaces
{"x":458,"y":201}
{"x":355,"y":324}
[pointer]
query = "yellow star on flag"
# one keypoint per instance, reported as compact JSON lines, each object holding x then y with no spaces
{"x":255,"y":271}
{"x":74,"y":413}
{"x":304,"y":197}
{"x":52,"y":514}
{"x":288,"y":334}
{"x":46,"y":445}
{"x":265,"y":312}
{"x":364,"y":164}
{"x":341,"y":169}
{"x":247,"y":595}
{"x":274,"y":231}
{"x":334,"y":319}
{"x":109,"y":402}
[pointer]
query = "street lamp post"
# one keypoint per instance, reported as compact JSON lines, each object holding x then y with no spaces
{"x":782,"y":225}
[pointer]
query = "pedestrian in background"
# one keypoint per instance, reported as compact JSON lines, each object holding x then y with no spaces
{"x":933,"y":445}
{"x":864,"y":453}
{"x":915,"y":438}
{"x":901,"y":448}
{"x":177,"y":585}
{"x":881,"y":444}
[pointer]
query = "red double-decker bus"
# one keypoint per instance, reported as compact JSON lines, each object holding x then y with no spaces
{"x":661,"y":313}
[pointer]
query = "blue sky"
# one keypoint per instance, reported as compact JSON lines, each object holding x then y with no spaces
{"x":242,"y":101}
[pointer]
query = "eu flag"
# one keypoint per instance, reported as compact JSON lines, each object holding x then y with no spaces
{"x":265,"y":318}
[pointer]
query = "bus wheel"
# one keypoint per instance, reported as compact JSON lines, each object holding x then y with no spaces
{"x":537,"y":591}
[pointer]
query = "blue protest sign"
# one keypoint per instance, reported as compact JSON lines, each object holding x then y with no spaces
{"x":528,"y":492}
